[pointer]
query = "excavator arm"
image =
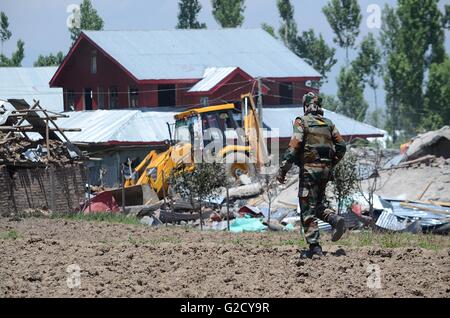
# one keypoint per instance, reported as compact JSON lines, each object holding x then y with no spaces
{"x":253,"y":131}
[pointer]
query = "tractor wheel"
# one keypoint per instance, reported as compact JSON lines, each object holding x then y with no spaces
{"x":237,"y":164}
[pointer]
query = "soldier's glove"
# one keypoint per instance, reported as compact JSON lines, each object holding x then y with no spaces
{"x":281,"y":176}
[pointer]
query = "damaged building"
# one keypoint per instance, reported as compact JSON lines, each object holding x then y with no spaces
{"x":40,"y":169}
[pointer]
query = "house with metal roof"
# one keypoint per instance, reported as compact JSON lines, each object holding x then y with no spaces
{"x":133,"y":69}
{"x":31,"y":83}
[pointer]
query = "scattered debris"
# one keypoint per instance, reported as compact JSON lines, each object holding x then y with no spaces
{"x":245,"y":191}
{"x":19,"y":144}
{"x":251,"y":210}
{"x":435,"y":143}
{"x":150,"y":221}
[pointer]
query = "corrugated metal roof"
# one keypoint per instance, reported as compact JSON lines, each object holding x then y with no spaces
{"x":282,"y":118}
{"x":30,"y":83}
{"x":185,"y":54}
{"x":211,"y":77}
{"x":102,"y":126}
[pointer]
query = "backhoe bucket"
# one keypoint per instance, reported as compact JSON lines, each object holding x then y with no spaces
{"x":136,"y":195}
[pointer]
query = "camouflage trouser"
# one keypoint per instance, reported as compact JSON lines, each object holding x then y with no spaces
{"x":313,"y":182}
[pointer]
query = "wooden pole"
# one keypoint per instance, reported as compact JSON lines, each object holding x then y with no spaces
{"x":23,"y":119}
{"x":260,"y":104}
{"x":53,"y":122}
{"x":424,"y":190}
{"x":228,"y":207}
{"x":163,"y":190}
{"x":89,"y":189}
{"x":123,"y":189}
{"x":47,"y":140}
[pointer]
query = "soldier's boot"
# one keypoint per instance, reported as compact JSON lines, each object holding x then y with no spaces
{"x":315,"y":250}
{"x":337,"y":222}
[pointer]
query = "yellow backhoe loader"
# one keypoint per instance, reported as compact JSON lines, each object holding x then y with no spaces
{"x":220,"y":132}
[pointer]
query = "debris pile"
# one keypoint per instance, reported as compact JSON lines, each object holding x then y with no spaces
{"x":30,"y":136}
{"x":20,"y":150}
{"x":435,"y":143}
{"x":422,"y":206}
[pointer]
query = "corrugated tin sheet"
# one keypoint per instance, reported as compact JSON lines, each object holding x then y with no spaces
{"x":103,"y":126}
{"x":30,"y":83}
{"x":283,"y":118}
{"x":211,"y":77}
{"x":185,"y":54}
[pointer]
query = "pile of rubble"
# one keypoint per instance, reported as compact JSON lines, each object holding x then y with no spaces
{"x":246,"y":211}
{"x":30,"y":135}
{"x":18,"y":149}
{"x":250,"y":208}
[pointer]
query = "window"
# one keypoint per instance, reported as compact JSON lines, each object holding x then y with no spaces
{"x":166,"y":95}
{"x":70,"y":100}
{"x":211,"y":125}
{"x":87,"y":99}
{"x":94,"y":62}
{"x":113,"y":97}
{"x":133,"y":96}
{"x":204,"y":101}
{"x":286,"y":94}
{"x":101,"y":98}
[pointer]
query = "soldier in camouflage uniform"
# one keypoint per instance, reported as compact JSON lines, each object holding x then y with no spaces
{"x":316,"y":147}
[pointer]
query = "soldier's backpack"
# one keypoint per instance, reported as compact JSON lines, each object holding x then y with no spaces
{"x":317,"y":145}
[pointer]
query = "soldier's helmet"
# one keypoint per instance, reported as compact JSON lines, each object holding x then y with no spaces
{"x":308,"y":98}
{"x":312,"y":103}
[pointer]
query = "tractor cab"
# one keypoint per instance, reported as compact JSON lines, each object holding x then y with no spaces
{"x":202,"y":126}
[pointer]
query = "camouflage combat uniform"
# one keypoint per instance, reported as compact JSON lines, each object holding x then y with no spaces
{"x":316,"y":147}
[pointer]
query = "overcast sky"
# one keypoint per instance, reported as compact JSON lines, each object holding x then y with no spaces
{"x":42,"y":23}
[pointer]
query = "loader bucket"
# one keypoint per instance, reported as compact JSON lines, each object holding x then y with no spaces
{"x":135,"y":195}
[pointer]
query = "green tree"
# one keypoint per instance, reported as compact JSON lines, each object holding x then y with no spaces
{"x":288,"y":29}
{"x":351,"y":94}
{"x":16,"y":58}
{"x":49,"y":60}
{"x":437,"y":98}
{"x":269,"y":29}
{"x":446,"y":19}
{"x":368,"y":63}
{"x":345,"y":180}
{"x":187,"y":15}
{"x":388,"y":37}
{"x":344,"y":17}
{"x":376,"y":118}
{"x":330,"y":102}
{"x":316,"y":53}
{"x":202,"y":183}
{"x":18,"y":55}
{"x":229,"y":13}
{"x":5,"y":33}
{"x":89,"y":20}
{"x":417,"y":43}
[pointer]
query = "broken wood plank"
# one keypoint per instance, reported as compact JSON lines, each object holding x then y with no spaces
{"x":425,"y":190}
{"x":30,"y":128}
{"x":426,"y":158}
{"x":33,"y":118}
{"x":24,"y":115}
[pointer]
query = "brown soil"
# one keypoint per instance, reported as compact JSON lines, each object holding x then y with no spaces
{"x":119,"y":260}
